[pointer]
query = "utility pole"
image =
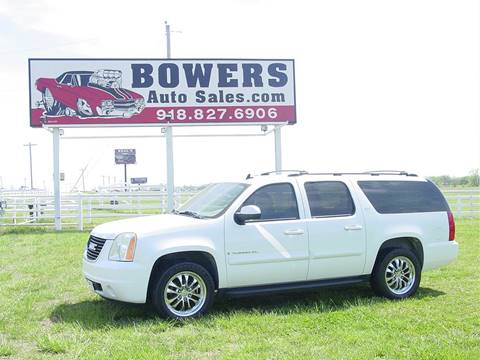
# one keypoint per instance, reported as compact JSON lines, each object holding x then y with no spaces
{"x":31,"y":167}
{"x":169,"y":142}
{"x":167,"y":33}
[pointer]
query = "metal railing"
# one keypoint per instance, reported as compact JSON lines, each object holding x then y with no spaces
{"x":85,"y":210}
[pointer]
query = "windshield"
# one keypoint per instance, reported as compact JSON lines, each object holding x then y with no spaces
{"x":75,"y":78}
{"x":213,"y":200}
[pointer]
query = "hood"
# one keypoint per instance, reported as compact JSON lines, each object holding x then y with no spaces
{"x":113,"y":93}
{"x":146,"y":225}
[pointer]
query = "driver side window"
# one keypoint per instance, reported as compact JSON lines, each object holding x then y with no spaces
{"x":276,"y":202}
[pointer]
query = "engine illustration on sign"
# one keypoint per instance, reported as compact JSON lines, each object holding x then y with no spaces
{"x":89,"y":94}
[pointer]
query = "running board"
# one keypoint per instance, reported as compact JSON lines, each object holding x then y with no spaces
{"x":290,"y":287}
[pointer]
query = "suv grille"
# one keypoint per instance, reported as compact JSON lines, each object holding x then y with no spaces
{"x":94,"y":246}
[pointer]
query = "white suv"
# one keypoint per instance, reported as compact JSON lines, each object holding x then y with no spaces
{"x":274,"y":233}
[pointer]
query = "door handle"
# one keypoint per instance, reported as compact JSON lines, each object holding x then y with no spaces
{"x":294,"y":232}
{"x":353,"y":227}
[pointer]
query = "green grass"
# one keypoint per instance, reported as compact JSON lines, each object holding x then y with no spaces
{"x":46,"y":311}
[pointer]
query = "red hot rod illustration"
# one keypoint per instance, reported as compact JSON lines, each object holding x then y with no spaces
{"x":89,"y":93}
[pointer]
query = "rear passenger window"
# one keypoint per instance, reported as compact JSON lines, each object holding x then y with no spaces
{"x":329,"y":198}
{"x":396,"y":197}
{"x":276,"y":201}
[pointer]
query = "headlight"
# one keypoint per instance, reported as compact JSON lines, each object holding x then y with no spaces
{"x":139,"y":101}
{"x":123,"y":247}
{"x":107,"y":103}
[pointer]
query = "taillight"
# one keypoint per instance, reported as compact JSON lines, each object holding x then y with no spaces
{"x":451,"y":227}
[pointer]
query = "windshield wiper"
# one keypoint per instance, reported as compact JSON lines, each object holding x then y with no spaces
{"x":188,"y":213}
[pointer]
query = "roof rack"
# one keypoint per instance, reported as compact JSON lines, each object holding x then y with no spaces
{"x":303,"y":172}
{"x":284,"y":171}
{"x":372,"y":173}
{"x":297,"y":172}
{"x":385,"y":172}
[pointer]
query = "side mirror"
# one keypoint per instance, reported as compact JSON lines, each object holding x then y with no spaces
{"x":249,"y":212}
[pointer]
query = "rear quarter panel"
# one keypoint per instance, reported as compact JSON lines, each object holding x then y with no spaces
{"x":431,"y":228}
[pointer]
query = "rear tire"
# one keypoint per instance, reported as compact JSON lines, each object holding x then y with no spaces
{"x":185,"y":290}
{"x":83,"y":108}
{"x":396,"y":274}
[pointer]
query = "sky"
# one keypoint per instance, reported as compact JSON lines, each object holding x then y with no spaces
{"x":379,"y":85}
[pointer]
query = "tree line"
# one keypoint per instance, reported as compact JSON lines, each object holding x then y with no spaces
{"x":471,"y":180}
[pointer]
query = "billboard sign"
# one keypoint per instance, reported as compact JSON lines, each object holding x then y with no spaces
{"x":138,"y":180}
{"x":112,"y":92}
{"x":125,"y":156}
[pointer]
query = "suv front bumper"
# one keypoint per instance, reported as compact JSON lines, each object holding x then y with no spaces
{"x":122,"y":281}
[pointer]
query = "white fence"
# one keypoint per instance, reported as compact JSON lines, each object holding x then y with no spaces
{"x":464,"y":203}
{"x":86,"y":210}
{"x":81,"y":210}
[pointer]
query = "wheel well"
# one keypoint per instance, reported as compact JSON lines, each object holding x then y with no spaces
{"x":410,"y":243}
{"x":199,"y":257}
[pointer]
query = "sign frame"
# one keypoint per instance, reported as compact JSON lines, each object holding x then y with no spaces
{"x":168,"y":122}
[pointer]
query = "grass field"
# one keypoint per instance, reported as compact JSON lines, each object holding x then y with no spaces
{"x":46,"y":311}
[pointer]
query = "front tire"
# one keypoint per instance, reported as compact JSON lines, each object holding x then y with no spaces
{"x":184,"y":290}
{"x":397,"y":274}
{"x":52,"y":106}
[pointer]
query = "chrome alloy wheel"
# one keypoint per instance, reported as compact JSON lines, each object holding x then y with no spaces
{"x":400,"y":275}
{"x":185,"y":294}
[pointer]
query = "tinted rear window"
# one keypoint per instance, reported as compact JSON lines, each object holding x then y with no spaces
{"x":329,"y":198}
{"x":396,"y":197}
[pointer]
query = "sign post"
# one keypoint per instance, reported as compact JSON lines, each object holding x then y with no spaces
{"x":31,"y":166}
{"x":125,"y":176}
{"x":278,"y":147}
{"x":56,"y":177}
{"x":170,"y":181}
